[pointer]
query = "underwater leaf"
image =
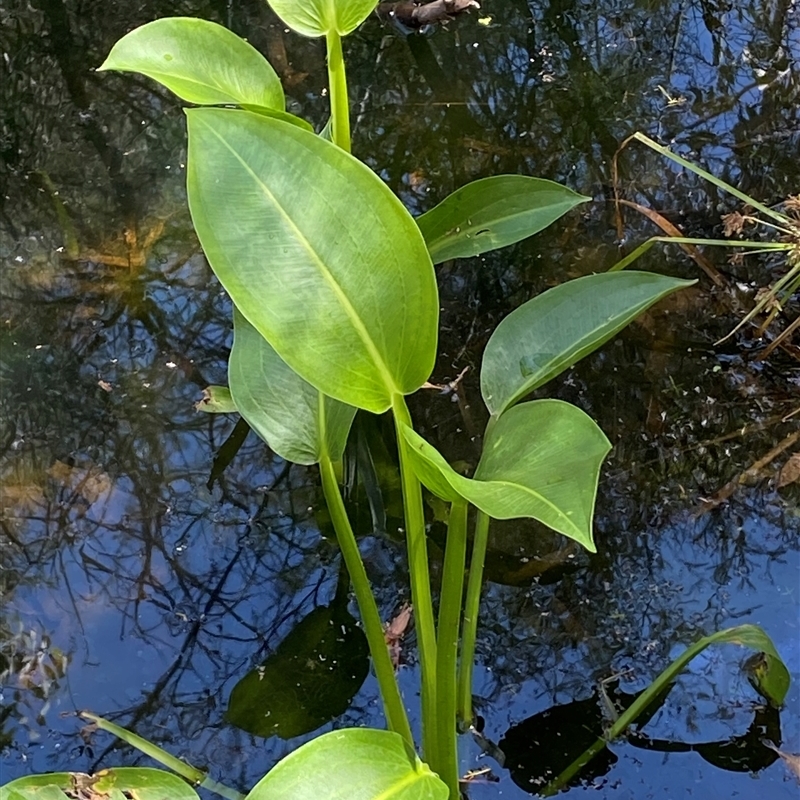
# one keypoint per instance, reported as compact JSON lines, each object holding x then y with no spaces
{"x":216,"y":400}
{"x":318,"y":17}
{"x":351,"y":764}
{"x":317,"y":254}
{"x":310,"y":679}
{"x":199,"y":61}
{"x":557,"y":328}
{"x":141,"y":783}
{"x":292,"y":417}
{"x":493,"y":212}
{"x":540,"y":459}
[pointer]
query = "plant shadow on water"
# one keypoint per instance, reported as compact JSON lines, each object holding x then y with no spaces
{"x":132,"y":588}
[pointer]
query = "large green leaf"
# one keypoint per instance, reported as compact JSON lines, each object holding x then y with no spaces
{"x":351,"y":764}
{"x":316,"y":252}
{"x":557,"y":328}
{"x":310,"y":679}
{"x":298,"y":422}
{"x":143,"y":783}
{"x":540,"y":459}
{"x":318,"y":17}
{"x":199,"y":61}
{"x":493,"y":212}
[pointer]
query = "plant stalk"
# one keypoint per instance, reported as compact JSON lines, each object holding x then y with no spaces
{"x":450,"y":599}
{"x":645,"y":246}
{"x":189,"y":773}
{"x":396,"y":716}
{"x":337,"y":86}
{"x":417,"y":546}
{"x":471,"y":609}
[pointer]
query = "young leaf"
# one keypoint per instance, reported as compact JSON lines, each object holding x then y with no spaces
{"x":493,"y":212}
{"x":557,"y":328}
{"x":292,"y":417}
{"x":318,"y":17}
{"x":316,"y":252}
{"x":541,"y":459}
{"x":199,"y":61}
{"x":142,"y":783}
{"x":353,"y":763}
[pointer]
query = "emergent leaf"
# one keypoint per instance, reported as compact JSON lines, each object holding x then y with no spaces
{"x":143,"y":783}
{"x":540,"y":459}
{"x":351,"y":764}
{"x":557,"y":328}
{"x":294,"y":419}
{"x":318,"y":17}
{"x":493,"y":212}
{"x":199,"y":61}
{"x":316,"y":252}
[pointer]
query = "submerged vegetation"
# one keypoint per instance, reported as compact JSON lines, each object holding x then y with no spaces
{"x":337,"y":313}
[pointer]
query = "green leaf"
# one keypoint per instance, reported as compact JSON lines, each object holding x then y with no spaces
{"x":773,"y":682}
{"x":310,"y":679}
{"x":557,"y":328}
{"x":217,"y":400}
{"x":493,"y":212}
{"x":318,"y":17}
{"x":298,"y":422}
{"x":143,"y":783}
{"x":317,"y":254}
{"x":351,"y":764}
{"x":199,"y":61}
{"x":540,"y":459}
{"x":282,"y":115}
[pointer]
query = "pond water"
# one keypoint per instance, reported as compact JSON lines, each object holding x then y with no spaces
{"x":148,"y":564}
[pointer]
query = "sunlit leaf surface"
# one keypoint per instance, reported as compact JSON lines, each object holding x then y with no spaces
{"x":316,"y":252}
{"x":351,"y":764}
{"x":493,"y":212}
{"x":541,"y":460}
{"x":317,"y":17}
{"x":141,"y":783}
{"x":557,"y":328}
{"x":199,"y":61}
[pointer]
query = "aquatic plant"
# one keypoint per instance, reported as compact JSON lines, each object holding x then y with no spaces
{"x":335,"y":310}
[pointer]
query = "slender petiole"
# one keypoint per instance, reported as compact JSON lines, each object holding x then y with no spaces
{"x":384,"y":670}
{"x":417,"y":546}
{"x":471,"y":608}
{"x":450,"y":599}
{"x":337,"y":86}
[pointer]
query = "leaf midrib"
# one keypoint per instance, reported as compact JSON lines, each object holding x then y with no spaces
{"x":344,"y":302}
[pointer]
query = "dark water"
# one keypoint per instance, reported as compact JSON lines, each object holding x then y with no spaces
{"x":142,"y":581}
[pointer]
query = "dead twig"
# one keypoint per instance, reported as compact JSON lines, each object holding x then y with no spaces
{"x":719,"y":497}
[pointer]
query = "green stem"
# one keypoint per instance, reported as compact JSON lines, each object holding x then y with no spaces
{"x":450,"y":599}
{"x":709,"y":177}
{"x":471,"y":608}
{"x":384,"y":670}
{"x":417,"y":546}
{"x":195,"y":776}
{"x":644,"y":247}
{"x":337,"y":86}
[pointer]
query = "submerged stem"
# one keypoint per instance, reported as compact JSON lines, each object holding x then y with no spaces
{"x":417,"y":546}
{"x":337,"y":86}
{"x":393,"y":707}
{"x":471,"y":608}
